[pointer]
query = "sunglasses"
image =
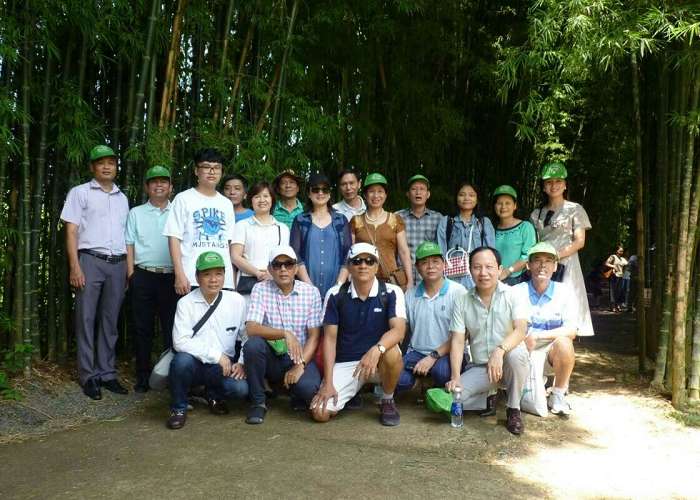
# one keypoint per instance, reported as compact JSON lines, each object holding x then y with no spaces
{"x":320,"y":189}
{"x":356,"y":261}
{"x":277,"y":265}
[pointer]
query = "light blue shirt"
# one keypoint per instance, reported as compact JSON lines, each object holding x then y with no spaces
{"x":144,"y":230}
{"x":429,"y":317}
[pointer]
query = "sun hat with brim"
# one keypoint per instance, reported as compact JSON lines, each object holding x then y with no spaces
{"x":101,"y":151}
{"x":373,"y":179}
{"x":209,"y":260}
{"x":286,"y":173}
{"x":418,"y":178}
{"x":438,"y":400}
{"x":428,"y":249}
{"x":543,"y":247}
{"x":554,"y":170}
{"x":157,"y":171}
{"x":360,"y":248}
{"x":505,"y":189}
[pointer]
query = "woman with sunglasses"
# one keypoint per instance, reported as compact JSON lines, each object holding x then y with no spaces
{"x":514,"y":237}
{"x":467,"y":230}
{"x":563,"y":224}
{"x":386,"y":231}
{"x":321,"y":238}
{"x":254,"y":237}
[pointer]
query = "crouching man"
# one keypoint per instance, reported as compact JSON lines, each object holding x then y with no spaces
{"x":208,"y":322}
{"x":495,"y":325}
{"x":364,"y":323}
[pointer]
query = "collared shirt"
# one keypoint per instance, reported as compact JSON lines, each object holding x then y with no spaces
{"x":349,"y":211}
{"x":487,"y":327}
{"x":218,"y":335}
{"x":285,"y":216}
{"x":513,"y":244}
{"x":100,"y":217}
{"x":429,"y":317}
{"x":555,"y":308}
{"x":258,"y":238}
{"x":296,"y":312}
{"x":144,"y":230}
{"x":361,"y":323}
{"x":420,"y":229}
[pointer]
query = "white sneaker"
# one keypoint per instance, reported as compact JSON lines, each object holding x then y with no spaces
{"x":558,"y":404}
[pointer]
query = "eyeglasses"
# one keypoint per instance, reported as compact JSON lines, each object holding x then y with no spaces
{"x":357,"y":261}
{"x":277,"y":265}
{"x":212,"y":168}
{"x":320,"y":189}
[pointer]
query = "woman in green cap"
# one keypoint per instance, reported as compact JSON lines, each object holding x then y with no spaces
{"x":386,"y":231}
{"x":563,"y":224}
{"x":514,"y":237}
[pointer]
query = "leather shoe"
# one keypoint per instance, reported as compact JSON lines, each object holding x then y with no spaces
{"x":218,"y":406}
{"x":91,"y":388}
{"x":514,"y":422}
{"x":114,"y":386}
{"x":490,"y":410}
{"x":177,"y":419}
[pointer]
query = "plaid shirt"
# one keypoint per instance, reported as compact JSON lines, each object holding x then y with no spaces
{"x":296,"y":312}
{"x":419,"y":230}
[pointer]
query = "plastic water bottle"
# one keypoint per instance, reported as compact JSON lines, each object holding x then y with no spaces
{"x":456,"y":410}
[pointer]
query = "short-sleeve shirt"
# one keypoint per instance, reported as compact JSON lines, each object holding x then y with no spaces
{"x":429,"y":317}
{"x":296,"y":312}
{"x":349,"y":211}
{"x":487,"y":327}
{"x":243,"y":215}
{"x":202,"y":223}
{"x":419,"y":229}
{"x":361,"y":323}
{"x":383,"y":237}
{"x":513,"y":243}
{"x":144,"y":230}
{"x":555,"y":308}
{"x":100,"y":217}
{"x":562,"y":224}
{"x":258,"y":239}
{"x":619,"y":264}
{"x":285,"y":216}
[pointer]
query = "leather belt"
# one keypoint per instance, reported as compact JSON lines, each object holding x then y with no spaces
{"x":111,"y":259}
{"x":158,"y":270}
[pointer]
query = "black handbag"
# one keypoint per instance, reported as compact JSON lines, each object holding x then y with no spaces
{"x":245,"y":284}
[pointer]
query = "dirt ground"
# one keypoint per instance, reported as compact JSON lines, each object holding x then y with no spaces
{"x":621,"y":442}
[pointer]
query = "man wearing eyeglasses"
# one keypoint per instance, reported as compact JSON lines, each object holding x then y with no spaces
{"x":200,"y":220}
{"x":283,"y":326}
{"x":364,"y":323}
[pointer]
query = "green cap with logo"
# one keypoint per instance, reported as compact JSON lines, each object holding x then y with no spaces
{"x":100,"y":152}
{"x":553,"y":170}
{"x":418,"y":178}
{"x":427,"y":249}
{"x":438,"y":400}
{"x":157,"y":171}
{"x":374,"y":178}
{"x":543,"y":247}
{"x":210,"y":260}
{"x":505,"y":189}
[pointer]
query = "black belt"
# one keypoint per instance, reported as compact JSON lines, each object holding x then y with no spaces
{"x":112,"y":259}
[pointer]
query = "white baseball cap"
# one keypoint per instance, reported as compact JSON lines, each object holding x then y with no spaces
{"x":360,"y":248}
{"x":282,"y":250}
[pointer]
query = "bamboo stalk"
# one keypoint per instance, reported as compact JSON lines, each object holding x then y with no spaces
{"x":170,"y":82}
{"x":25,"y":255}
{"x":233,"y":104}
{"x":694,"y":379}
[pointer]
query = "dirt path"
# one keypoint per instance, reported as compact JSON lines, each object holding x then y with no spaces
{"x":620,"y":443}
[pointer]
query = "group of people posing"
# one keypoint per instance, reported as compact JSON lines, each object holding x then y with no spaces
{"x":324,"y":298}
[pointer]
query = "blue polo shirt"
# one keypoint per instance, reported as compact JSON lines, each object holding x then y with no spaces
{"x":144,"y":230}
{"x":361,"y":323}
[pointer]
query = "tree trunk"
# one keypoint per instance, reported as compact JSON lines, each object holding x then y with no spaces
{"x":170,"y":82}
{"x":233,"y":104}
{"x":694,"y":380}
{"x":117,"y":111}
{"x":25,"y":256}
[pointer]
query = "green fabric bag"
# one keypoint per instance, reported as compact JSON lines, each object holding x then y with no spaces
{"x":279,"y":346}
{"x":438,"y":400}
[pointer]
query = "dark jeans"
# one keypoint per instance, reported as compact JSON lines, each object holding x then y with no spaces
{"x":261,"y":362}
{"x":151,"y":293}
{"x":617,"y":292}
{"x":440,"y":372}
{"x":187,"y":371}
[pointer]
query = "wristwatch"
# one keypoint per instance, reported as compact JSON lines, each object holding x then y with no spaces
{"x":381,"y":348}
{"x":434,"y":354}
{"x":511,"y":269}
{"x":500,"y":346}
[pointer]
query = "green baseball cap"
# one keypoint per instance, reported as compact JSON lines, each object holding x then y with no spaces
{"x":209,"y":260}
{"x":418,"y":177}
{"x":505,"y":189}
{"x":157,"y":171}
{"x":553,"y":170}
{"x":100,"y":152}
{"x":543,"y":247}
{"x":438,"y":400}
{"x":428,"y":249}
{"x":374,"y":178}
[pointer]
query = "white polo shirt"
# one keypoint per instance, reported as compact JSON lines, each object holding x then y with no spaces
{"x":555,"y":308}
{"x":258,"y":238}
{"x":218,"y":335}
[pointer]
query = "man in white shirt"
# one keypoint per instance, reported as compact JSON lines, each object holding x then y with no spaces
{"x":200,"y":219}
{"x":352,"y":203}
{"x":205,"y":356}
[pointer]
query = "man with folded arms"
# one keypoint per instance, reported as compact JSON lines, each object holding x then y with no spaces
{"x":205,"y":357}
{"x":495,"y":324}
{"x":364,"y":323}
{"x":95,"y":216}
{"x":283,"y":326}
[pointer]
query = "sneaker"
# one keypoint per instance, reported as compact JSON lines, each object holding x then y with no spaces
{"x":514,"y":421}
{"x":558,"y":405}
{"x":177,"y":419}
{"x":256,"y":415}
{"x":389,"y":415}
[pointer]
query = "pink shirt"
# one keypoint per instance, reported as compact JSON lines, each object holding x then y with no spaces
{"x":100,"y":217}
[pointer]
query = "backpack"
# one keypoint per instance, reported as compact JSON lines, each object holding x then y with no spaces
{"x":345,"y":288}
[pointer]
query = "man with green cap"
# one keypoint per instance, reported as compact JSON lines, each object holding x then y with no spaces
{"x":95,"y":216}
{"x":208,"y":322}
{"x":420,"y":221}
{"x":150,"y":270}
{"x":552,"y":325}
{"x":429,"y":308}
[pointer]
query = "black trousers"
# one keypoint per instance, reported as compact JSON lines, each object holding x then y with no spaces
{"x":151,"y":293}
